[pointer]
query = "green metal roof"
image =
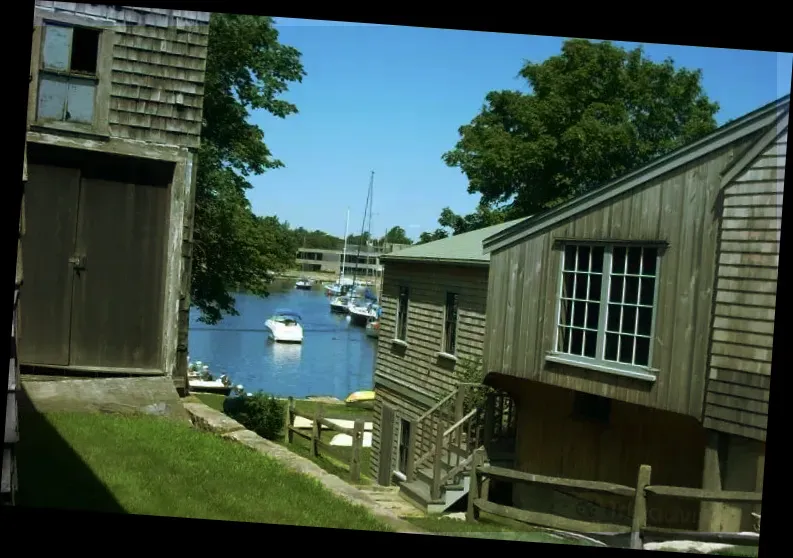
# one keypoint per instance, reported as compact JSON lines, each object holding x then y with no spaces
{"x":465,"y":248}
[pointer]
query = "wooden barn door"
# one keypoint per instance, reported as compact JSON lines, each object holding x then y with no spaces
{"x":94,"y":272}
{"x":51,"y":203}
{"x":118,"y":289}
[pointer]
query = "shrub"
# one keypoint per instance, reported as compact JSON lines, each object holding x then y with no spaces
{"x":260,"y":413}
{"x":470,"y":371}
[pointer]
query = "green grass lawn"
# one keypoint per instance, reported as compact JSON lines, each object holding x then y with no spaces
{"x":336,"y":463}
{"x":149,"y":465}
{"x":489,"y":527}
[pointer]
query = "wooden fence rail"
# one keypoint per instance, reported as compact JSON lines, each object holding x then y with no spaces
{"x":315,"y":439}
{"x":638,"y":529}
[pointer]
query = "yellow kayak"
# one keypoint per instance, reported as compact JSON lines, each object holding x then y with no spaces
{"x":360,"y":397}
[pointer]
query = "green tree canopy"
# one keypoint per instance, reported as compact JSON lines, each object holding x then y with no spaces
{"x":594,"y":113}
{"x":247,"y":69}
{"x":317,"y":239}
{"x":396,"y":235}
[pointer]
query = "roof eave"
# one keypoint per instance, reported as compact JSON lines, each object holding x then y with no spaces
{"x":748,"y":124}
{"x":442,"y":261}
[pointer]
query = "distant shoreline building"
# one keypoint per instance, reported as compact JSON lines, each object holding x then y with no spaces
{"x":329,"y":261}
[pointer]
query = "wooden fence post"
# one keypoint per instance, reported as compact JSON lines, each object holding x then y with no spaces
{"x":290,"y":419}
{"x":640,"y":507}
{"x":357,"y":443}
{"x":411,"y":458}
{"x":490,"y":419}
{"x":472,"y":514}
{"x":316,"y":431}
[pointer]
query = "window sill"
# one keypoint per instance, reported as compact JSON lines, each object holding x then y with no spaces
{"x":399,"y":342}
{"x":647,"y":374}
{"x":79,"y":129}
{"x":446,"y":356}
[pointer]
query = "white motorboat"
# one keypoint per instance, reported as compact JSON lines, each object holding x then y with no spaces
{"x":285,"y":327}
{"x":304,"y":284}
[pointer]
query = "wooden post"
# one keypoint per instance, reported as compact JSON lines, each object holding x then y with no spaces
{"x":472,"y":514}
{"x":490,"y":419}
{"x":357,"y":442}
{"x":640,"y":507}
{"x":411,"y":458}
{"x":459,"y":403}
{"x":459,"y":412}
{"x":290,"y":419}
{"x":435,"y":492}
{"x":316,"y":431}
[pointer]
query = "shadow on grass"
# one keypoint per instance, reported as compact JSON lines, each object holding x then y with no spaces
{"x":51,"y":473}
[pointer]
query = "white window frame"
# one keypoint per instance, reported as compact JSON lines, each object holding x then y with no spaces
{"x":447,"y":323}
{"x":400,"y":311}
{"x":599,"y":362}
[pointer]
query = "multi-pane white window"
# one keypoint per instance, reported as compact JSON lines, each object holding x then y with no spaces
{"x":607,"y":303}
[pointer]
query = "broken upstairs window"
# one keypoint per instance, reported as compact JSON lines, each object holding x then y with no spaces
{"x":68,"y":73}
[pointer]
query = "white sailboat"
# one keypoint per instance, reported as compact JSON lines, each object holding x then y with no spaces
{"x":337,"y":288}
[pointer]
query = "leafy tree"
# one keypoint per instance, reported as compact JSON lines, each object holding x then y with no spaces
{"x":595,"y":112}
{"x":247,"y":69}
{"x":437,"y":234}
{"x":317,"y":239}
{"x":359,"y":239}
{"x":397,"y":235}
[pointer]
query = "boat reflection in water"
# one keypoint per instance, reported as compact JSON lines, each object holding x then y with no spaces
{"x":286,"y":355}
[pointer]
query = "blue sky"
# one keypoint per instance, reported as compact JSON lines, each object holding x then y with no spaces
{"x":390,"y":99}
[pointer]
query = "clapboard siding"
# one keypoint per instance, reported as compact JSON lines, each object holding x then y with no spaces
{"x":404,"y":407}
{"x":422,"y":375}
{"x":419,"y":363}
{"x":676,"y":208}
{"x":736,"y":400}
{"x":157,"y":79}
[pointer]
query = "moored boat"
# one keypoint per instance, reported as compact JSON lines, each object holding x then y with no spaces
{"x":285,"y":327}
{"x":304,"y":284}
{"x":361,"y":314}
{"x":373,"y":329}
{"x":340,"y":304}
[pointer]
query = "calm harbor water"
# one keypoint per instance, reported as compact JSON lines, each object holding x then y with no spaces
{"x":335,"y":359}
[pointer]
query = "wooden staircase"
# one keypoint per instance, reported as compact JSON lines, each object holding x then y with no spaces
{"x":441,"y":443}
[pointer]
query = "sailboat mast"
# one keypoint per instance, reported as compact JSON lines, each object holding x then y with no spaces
{"x":344,"y":251}
{"x":363,"y":226}
{"x":369,"y":228}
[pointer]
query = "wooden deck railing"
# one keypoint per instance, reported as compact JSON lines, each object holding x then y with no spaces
{"x":453,"y":428}
{"x":319,"y":421}
{"x":638,"y":529}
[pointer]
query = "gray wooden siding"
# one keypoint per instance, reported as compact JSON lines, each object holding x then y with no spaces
{"x":419,"y":364}
{"x":157,"y":80}
{"x":404,"y":407}
{"x":524,"y":283}
{"x":736,"y":400}
{"x":417,"y":369}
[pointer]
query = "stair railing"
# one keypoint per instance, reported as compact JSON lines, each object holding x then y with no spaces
{"x":469,"y":427}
